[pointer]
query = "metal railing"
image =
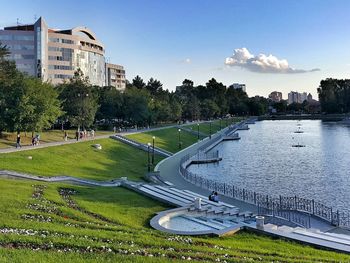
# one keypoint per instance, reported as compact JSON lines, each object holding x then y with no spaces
{"x":295,"y":209}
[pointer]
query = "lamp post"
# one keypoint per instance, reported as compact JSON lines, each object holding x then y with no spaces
{"x":153,"y":138}
{"x":148,"y":154}
{"x":179,"y":131}
{"x":209,"y":130}
{"x":198,"y":131}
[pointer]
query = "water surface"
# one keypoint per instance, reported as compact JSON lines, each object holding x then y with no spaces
{"x":265,"y":161}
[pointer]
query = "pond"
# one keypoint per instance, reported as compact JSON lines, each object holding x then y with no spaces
{"x":265,"y":161}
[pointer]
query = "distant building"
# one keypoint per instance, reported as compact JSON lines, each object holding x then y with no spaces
{"x":54,"y":55}
{"x":238,"y":86}
{"x":309,"y":97}
{"x":275,"y":96}
{"x":296,"y":97}
{"x":115,"y":76}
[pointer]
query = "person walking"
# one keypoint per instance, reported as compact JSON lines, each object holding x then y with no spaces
{"x":77,"y":135}
{"x":93,"y":134}
{"x":65,"y":136}
{"x":18,"y":141}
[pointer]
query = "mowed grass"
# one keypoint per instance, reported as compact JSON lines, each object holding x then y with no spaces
{"x":112,"y":225}
{"x":8,"y":139}
{"x":167,"y":139}
{"x":115,"y":160}
{"x":215,"y":125}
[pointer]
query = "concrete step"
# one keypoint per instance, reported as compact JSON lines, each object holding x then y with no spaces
{"x":161,"y":197}
{"x":166,"y":194}
{"x":175,"y":193}
{"x":322,"y":236}
{"x":204,"y":222}
{"x":205,"y":198}
{"x":286,"y":229}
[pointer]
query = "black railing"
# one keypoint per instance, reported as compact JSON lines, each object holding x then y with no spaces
{"x":294,"y":209}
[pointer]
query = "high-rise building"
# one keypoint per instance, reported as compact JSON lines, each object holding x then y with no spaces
{"x":54,"y":55}
{"x":275,"y":96}
{"x":296,"y":97}
{"x":238,"y":86}
{"x":115,"y":76}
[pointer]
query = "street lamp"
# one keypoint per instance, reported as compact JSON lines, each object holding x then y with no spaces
{"x":148,"y":153}
{"x":198,"y":131}
{"x":153,"y":138}
{"x":179,"y":130}
{"x":209,"y":130}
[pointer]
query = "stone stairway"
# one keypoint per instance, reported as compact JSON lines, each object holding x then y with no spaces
{"x":216,"y":215}
{"x":337,"y":241}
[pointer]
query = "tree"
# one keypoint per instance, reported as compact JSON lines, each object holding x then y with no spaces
{"x":135,"y":106}
{"x":39,"y":106}
{"x":111,"y":103}
{"x":154,"y":86}
{"x":79,"y":100}
{"x":138,"y":82}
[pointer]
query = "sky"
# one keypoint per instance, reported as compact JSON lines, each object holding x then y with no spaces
{"x":268,"y":45}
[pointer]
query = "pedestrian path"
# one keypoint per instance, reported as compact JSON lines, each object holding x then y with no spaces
{"x":50,"y":144}
{"x":67,"y":179}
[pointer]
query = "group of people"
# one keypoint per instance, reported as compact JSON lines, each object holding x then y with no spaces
{"x":214,"y":197}
{"x":36,"y":140}
{"x":79,"y":135}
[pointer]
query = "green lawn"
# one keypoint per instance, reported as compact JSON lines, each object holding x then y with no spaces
{"x":115,"y":160}
{"x":8,"y":139}
{"x":215,"y":125}
{"x":167,"y":139}
{"x":63,"y":223}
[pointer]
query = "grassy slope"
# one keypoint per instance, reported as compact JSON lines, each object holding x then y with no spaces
{"x":126,"y":232}
{"x":215,"y":125}
{"x":8,"y":139}
{"x":167,"y":139}
{"x":82,"y":160}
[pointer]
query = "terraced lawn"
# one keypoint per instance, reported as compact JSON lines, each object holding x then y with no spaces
{"x":64,"y":223}
{"x":115,"y":160}
{"x":167,"y":139}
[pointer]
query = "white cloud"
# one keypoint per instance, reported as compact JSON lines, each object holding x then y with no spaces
{"x":187,"y":61}
{"x":261,"y":63}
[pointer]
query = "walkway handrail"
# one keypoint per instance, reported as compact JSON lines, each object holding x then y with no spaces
{"x":267,"y":204}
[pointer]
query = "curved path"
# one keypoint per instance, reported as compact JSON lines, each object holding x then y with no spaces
{"x":67,"y":179}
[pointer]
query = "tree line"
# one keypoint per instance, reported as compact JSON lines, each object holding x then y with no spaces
{"x":334,"y":95}
{"x":29,"y":104}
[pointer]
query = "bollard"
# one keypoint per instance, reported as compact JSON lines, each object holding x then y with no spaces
{"x":198,"y":203}
{"x":260,"y":222}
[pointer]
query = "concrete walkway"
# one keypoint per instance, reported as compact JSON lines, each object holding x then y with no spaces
{"x":67,"y":179}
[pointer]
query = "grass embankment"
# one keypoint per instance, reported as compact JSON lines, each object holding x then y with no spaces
{"x":215,"y":125}
{"x":55,"y":222}
{"x":8,"y":139}
{"x":115,"y":160}
{"x":167,"y":139}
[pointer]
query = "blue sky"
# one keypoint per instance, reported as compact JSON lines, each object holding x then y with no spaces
{"x":173,"y":40}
